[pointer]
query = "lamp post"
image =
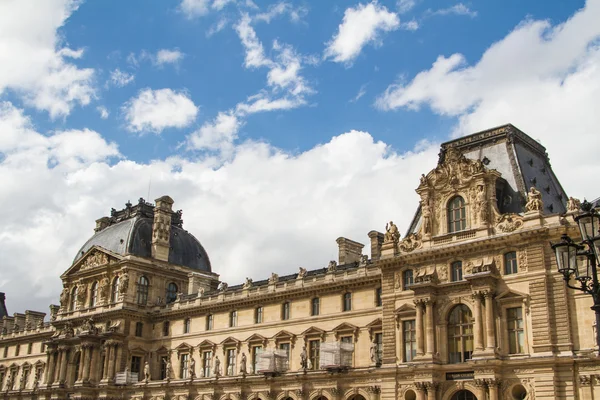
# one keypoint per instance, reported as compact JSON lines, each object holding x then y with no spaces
{"x":577,"y":262}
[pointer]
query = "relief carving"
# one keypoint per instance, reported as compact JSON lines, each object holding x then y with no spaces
{"x":534,"y":200}
{"x":509,"y":223}
{"x":410,"y":243}
{"x":95,"y":259}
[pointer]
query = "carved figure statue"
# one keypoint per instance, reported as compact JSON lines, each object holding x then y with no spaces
{"x":64,"y":297}
{"x":217,"y":367}
{"x":147,"y":376}
{"x":423,"y":179}
{"x":534,"y":200}
{"x":247,"y":284}
{"x":68,"y":330}
{"x":391,"y":233}
{"x":81,"y":293}
{"x":573,"y":204}
{"x":302,"y":272}
{"x":103,"y":287}
{"x":481,"y":202}
{"x":303,"y":358}
{"x":90,"y":326}
{"x":426,"y":213}
{"x":331,"y":266}
{"x":168,"y":368}
{"x":223,"y":286}
{"x":243,"y":364}
{"x":364,"y":260}
{"x":9,"y":382}
{"x":123,"y":283}
{"x":274,"y":278}
{"x":22,"y":382}
{"x":192,"y":368}
{"x":373,"y":353}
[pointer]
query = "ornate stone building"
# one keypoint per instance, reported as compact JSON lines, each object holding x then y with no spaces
{"x":467,"y":305}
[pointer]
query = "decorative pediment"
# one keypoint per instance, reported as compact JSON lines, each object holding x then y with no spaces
{"x":138,"y":350}
{"x":95,"y":257}
{"x":162,"y":350}
{"x":374,"y":327}
{"x":346,"y":328}
{"x":405,"y":310}
{"x":39,"y":363}
{"x":511,"y":295}
{"x":184,"y":348}
{"x":230,"y":342}
{"x":453,"y":170}
{"x":256,"y":338}
{"x":284,"y":336}
{"x":207,"y":345}
{"x":314,"y":332}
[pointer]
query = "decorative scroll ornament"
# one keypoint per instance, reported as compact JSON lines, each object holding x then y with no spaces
{"x":509,"y":223}
{"x":410,"y":243}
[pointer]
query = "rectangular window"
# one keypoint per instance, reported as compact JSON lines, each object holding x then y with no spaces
{"x":258,"y":315}
{"x":315,"y":306}
{"x":231,"y":362}
{"x":233,"y":319}
{"x":407,"y":278}
{"x":163,"y":368}
{"x":43,"y":348}
{"x":286,"y":347}
{"x":25,"y":376}
{"x":379,"y":346}
{"x":409,"y":336}
{"x":209,"y":322}
{"x":183,"y":366}
{"x":166,"y":326}
{"x":256,"y":350}
{"x":314,"y":347}
{"x":139,"y":329}
{"x":136,"y":364}
{"x":285,"y":311}
{"x":378,"y":302}
{"x":347,"y":306}
{"x":17,"y":350}
{"x":456,"y":272}
{"x":206,"y":363}
{"x":187,"y":324}
{"x":510,"y":263}
{"x":516,"y":334}
{"x":29,"y":348}
{"x":6,"y":352}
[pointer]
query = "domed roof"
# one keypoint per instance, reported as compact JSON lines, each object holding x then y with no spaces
{"x":129,"y":231}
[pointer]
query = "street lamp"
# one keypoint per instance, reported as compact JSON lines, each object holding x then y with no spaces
{"x":578,"y":261}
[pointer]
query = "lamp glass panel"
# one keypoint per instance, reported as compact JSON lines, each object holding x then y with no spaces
{"x":596,"y":248}
{"x":588,"y":225}
{"x":566,"y":257}
{"x":582,"y":271}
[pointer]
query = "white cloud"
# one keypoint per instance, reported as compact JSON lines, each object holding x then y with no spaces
{"x":411,"y":25}
{"x":255,"y":52}
{"x":361,"y":92}
{"x":34,"y":63}
{"x":166,"y":56}
{"x":217,"y":27}
{"x":405,"y":6}
{"x":216,"y":135}
{"x":250,"y":213}
{"x":361,"y":25}
{"x":120,"y":78}
{"x":544,"y":79}
{"x":156,"y":110}
{"x":103,"y":112}
{"x":199,"y":8}
{"x":281,"y":8}
{"x":458,"y":9}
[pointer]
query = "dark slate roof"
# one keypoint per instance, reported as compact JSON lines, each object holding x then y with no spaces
{"x":132,"y":234}
{"x":3,"y":311}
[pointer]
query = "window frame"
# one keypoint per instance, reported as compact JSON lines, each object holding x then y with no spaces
{"x":166,"y":328}
{"x":171,"y":292}
{"x":378,"y":299}
{"x":451,"y":209}
{"x":233,"y":318}
{"x":412,"y":332}
{"x":519,"y":342}
{"x":463,"y":338}
{"x":254,"y":352}
{"x":187,"y":325}
{"x":347,"y":302}
{"x":286,"y":310}
{"x":139,"y":329}
{"x":408,"y":275}
{"x":314,"y":353}
{"x":207,"y":356}
{"x":456,"y":265}
{"x":315,"y":302}
{"x":513,"y":263}
{"x":258,"y":315}
{"x":94,"y":294}
{"x":230,"y":361}
{"x":73,"y":299}
{"x":184,"y":360}
{"x":210,"y":321}
{"x":114,"y":290}
{"x":143,"y":289}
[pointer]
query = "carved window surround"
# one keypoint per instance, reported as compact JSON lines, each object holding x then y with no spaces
{"x":504,"y":301}
{"x":346,"y":329}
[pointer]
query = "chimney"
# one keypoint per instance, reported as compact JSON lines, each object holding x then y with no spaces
{"x":101,"y":224}
{"x":376,"y":242}
{"x":161,"y":228}
{"x":349,"y":250}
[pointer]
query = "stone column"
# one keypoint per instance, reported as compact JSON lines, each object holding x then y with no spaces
{"x":94,"y":360}
{"x":420,"y":386}
{"x":107,"y":352}
{"x":478,"y":338}
{"x":118,"y":355}
{"x":111,"y":361}
{"x":489,"y":321}
{"x":86,"y":360}
{"x":79,"y":376}
{"x":63,"y":364}
{"x":431,"y":390}
{"x":49,"y":378}
{"x":492,"y":385}
{"x":480,"y":384}
{"x":430,"y":328}
{"x":419,"y":327}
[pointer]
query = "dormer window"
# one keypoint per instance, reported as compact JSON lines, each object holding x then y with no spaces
{"x":171,"y":295}
{"x":457,"y":220}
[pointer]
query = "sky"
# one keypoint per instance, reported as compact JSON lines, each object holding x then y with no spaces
{"x":276,"y":126}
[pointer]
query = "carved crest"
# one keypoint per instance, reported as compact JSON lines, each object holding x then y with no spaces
{"x":95,"y":259}
{"x":410,"y":243}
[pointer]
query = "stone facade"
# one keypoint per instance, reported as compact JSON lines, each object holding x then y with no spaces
{"x":466,"y":305}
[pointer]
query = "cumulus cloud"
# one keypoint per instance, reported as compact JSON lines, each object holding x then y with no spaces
{"x":544,"y":79}
{"x":156,"y":110}
{"x":405,"y":6}
{"x":103,"y":112}
{"x":361,"y":25}
{"x":120,"y":78}
{"x":33,"y":61}
{"x":217,"y":135}
{"x":166,"y":56}
{"x":255,"y":53}
{"x":240,"y":210}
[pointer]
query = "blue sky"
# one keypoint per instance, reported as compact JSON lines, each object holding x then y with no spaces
{"x":277,"y":126}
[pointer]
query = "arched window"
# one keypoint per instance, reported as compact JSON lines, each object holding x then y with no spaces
{"x":73,"y":303}
{"x":171,"y":293}
{"x":457,"y":220}
{"x":456,"y":271}
{"x":94,"y":295}
{"x":142,"y":290}
{"x":407,"y":278}
{"x":114,"y":290}
{"x":460,"y":334}
{"x":510,"y":263}
{"x":463,"y":395}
